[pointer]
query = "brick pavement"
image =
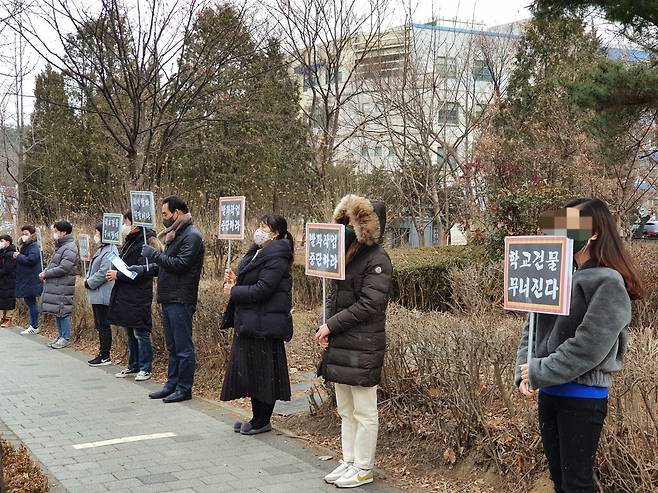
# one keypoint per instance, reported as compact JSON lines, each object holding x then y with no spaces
{"x":51,"y":400}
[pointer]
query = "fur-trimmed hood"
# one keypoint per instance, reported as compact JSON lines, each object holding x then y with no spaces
{"x":368,"y":217}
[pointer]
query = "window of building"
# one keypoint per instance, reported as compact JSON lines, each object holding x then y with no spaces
{"x":364,"y":151}
{"x":445,"y":67}
{"x":379,"y":151}
{"x":449,"y":113}
{"x":481,"y":71}
{"x":366,"y":107}
{"x":333,"y":76}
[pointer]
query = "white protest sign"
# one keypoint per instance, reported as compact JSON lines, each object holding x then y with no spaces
{"x":231,"y":218}
{"x":142,"y":206}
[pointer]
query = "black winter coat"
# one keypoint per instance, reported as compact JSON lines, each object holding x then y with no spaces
{"x":262,"y":295}
{"x":28,"y":267}
{"x":179,"y":267}
{"x":8,"y":278}
{"x":356,"y":317}
{"x":131,"y":300}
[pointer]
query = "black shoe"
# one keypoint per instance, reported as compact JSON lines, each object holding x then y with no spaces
{"x":161,"y":394}
{"x":178,"y":396}
{"x":98,"y":361}
{"x":249,"y":429}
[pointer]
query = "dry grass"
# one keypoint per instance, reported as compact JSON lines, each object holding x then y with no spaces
{"x":21,"y":474}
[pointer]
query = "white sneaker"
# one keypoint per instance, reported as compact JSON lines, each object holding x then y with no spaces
{"x":354,"y":477}
{"x":30,"y":331}
{"x":142,"y":376}
{"x":61,"y":343}
{"x":338,"y":472}
{"x":125,"y":372}
{"x":51,"y":343}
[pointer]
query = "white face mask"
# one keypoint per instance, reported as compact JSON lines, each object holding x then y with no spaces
{"x":25,"y":238}
{"x":55,"y":236}
{"x":97,"y":239}
{"x":3,"y":245}
{"x":126,"y":229}
{"x":260,"y":237}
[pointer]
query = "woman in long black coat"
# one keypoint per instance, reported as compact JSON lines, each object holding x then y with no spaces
{"x":7,"y":280}
{"x":260,"y":300}
{"x":131,"y":301}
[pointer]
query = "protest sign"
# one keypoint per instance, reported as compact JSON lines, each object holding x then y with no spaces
{"x":325,"y":255}
{"x":83,"y":245}
{"x":142,"y":206}
{"x":121,"y":266}
{"x":231,"y":218}
{"x":112,"y":228}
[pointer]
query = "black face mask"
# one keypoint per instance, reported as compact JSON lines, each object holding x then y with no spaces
{"x":168,"y":223}
{"x":350,"y":236}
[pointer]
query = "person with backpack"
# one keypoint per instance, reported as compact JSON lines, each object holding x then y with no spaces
{"x":354,"y":336}
{"x":575,"y":356}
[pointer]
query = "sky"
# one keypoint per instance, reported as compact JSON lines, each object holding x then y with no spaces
{"x":487,"y":12}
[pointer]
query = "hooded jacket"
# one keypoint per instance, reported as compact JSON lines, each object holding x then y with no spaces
{"x":59,"y":287}
{"x":8,"y":278}
{"x":28,"y":267}
{"x":131,"y":300}
{"x":356,"y":306}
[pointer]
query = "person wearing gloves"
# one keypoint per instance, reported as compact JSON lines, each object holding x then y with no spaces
{"x":7,"y":280}
{"x":260,"y":300}
{"x":28,"y":267}
{"x":575,"y":356}
{"x":132,"y":299}
{"x":59,"y":283}
{"x":99,"y":290}
{"x":178,"y":269}
{"x":354,"y":336}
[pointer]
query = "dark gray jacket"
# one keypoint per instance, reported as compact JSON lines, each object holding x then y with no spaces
{"x":59,"y":287}
{"x":588,"y":345}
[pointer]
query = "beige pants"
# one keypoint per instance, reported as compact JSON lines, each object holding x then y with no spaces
{"x":357,"y":407}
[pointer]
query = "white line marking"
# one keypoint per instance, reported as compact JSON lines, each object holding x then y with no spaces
{"x":115,"y":441}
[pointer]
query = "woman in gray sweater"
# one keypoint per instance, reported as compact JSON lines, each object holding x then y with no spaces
{"x":576,"y":355}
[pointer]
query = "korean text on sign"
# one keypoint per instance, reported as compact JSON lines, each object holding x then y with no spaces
{"x":231,"y":218}
{"x":142,"y":206}
{"x":112,"y":228}
{"x":538,"y":274}
{"x":325,"y":250}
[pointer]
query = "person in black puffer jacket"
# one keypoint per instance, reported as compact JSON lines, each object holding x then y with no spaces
{"x":7,"y":280}
{"x":260,"y":301}
{"x":179,"y":270}
{"x":354,"y":336}
{"x":131,"y":302}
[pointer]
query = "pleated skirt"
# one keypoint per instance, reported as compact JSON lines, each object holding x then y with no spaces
{"x":257,"y":368}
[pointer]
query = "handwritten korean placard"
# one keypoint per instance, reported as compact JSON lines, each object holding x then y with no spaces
{"x":142,"y":205}
{"x":83,"y":243}
{"x":538,"y":274}
{"x":325,"y":250}
{"x":112,"y":229}
{"x":231,"y":218}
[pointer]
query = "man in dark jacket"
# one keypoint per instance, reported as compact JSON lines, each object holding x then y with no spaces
{"x":29,"y":264}
{"x":178,"y":270}
{"x":354,"y":336}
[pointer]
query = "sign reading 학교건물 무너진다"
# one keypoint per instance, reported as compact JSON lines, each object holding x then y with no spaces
{"x":83,"y":242}
{"x":142,"y":206}
{"x":538,"y":274}
{"x":325,"y":250}
{"x":231,"y":218}
{"x":112,"y":228}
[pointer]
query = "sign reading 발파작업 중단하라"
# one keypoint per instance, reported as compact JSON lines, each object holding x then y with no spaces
{"x":112,"y":229}
{"x":231,"y":218}
{"x":142,"y":206}
{"x":325,"y":250}
{"x":83,"y":242}
{"x":538,"y":274}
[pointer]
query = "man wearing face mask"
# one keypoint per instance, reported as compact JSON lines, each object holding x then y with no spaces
{"x":178,"y":269}
{"x":59,"y":282}
{"x":99,"y":290}
{"x":7,"y":280}
{"x":28,"y":267}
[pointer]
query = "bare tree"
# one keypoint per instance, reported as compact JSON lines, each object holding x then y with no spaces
{"x":139,"y":70}
{"x":430,"y":112}
{"x":331,"y":45}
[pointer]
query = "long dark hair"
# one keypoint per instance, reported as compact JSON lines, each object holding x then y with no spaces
{"x":278,"y":223}
{"x":608,"y":249}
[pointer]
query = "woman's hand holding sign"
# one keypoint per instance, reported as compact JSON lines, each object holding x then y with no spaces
{"x":524,"y":387}
{"x":322,"y":336}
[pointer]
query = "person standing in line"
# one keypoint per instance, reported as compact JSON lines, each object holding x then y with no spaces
{"x":575,"y":356}
{"x":7,"y":280}
{"x":28,"y":267}
{"x":132,"y":299}
{"x":99,"y":290}
{"x":354,"y":336}
{"x":260,"y":301}
{"x":59,"y":283}
{"x":179,"y":271}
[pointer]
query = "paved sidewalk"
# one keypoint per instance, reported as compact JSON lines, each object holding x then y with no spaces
{"x":51,"y":401}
